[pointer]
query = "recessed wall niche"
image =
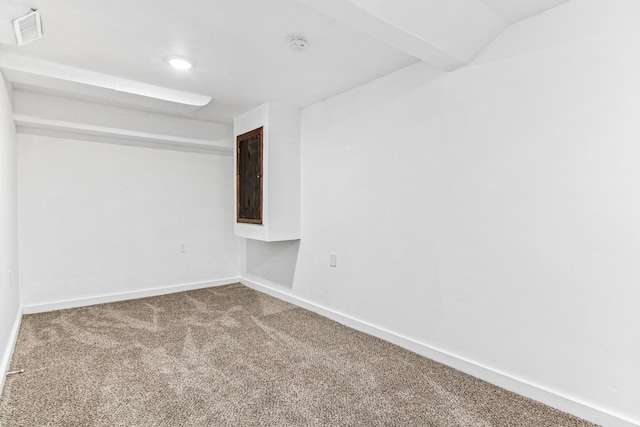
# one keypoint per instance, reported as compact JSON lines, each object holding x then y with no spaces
{"x":267,"y":191}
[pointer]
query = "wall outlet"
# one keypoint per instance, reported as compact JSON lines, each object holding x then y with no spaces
{"x":333,"y":261}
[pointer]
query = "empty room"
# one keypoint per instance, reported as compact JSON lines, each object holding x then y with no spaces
{"x":320,"y":213}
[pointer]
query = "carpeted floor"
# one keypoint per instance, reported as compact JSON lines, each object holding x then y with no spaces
{"x":231,"y":356}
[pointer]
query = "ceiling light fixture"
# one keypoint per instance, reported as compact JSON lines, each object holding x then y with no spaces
{"x":297,"y":43}
{"x":179,"y":63}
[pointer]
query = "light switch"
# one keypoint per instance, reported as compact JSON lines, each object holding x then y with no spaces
{"x":332,"y":260}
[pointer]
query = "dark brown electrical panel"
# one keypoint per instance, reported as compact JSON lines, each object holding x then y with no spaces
{"x":249,"y":177}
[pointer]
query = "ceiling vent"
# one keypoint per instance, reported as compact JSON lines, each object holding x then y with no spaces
{"x":28,"y":28}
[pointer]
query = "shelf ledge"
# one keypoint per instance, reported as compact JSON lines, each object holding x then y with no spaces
{"x":63,"y":129}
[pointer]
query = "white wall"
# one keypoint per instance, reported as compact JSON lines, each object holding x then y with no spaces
{"x":99,"y":219}
{"x":492,"y":213}
{"x":9,"y":299}
{"x":271,"y":261}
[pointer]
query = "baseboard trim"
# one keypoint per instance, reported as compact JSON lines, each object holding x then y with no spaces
{"x":101,"y":299}
{"x":5,"y":362}
{"x":587,"y":411}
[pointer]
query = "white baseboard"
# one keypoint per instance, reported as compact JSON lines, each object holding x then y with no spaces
{"x":5,"y":362}
{"x":101,"y":299}
{"x":589,"y":412}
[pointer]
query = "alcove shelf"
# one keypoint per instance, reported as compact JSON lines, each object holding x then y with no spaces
{"x":279,"y":192}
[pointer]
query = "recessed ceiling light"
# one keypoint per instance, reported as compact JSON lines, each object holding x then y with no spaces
{"x":179,"y":63}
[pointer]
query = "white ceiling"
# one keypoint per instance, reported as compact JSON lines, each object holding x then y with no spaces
{"x":238,"y":47}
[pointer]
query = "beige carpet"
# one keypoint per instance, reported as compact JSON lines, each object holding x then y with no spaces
{"x":231,"y":356}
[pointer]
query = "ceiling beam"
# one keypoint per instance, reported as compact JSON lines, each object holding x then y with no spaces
{"x":375,"y":25}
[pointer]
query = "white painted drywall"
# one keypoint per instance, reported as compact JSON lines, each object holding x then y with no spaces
{"x":99,"y":219}
{"x":280,"y":171}
{"x":273,"y":261}
{"x":71,"y":110}
{"x":492,"y":212}
{"x":432,"y":21}
{"x":9,"y":294}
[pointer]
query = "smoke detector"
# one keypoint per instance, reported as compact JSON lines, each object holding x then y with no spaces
{"x":297,"y":43}
{"x":28,"y":28}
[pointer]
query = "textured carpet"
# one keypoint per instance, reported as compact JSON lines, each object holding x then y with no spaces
{"x":231,"y":356}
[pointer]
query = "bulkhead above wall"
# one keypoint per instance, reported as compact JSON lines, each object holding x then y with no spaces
{"x":57,"y":116}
